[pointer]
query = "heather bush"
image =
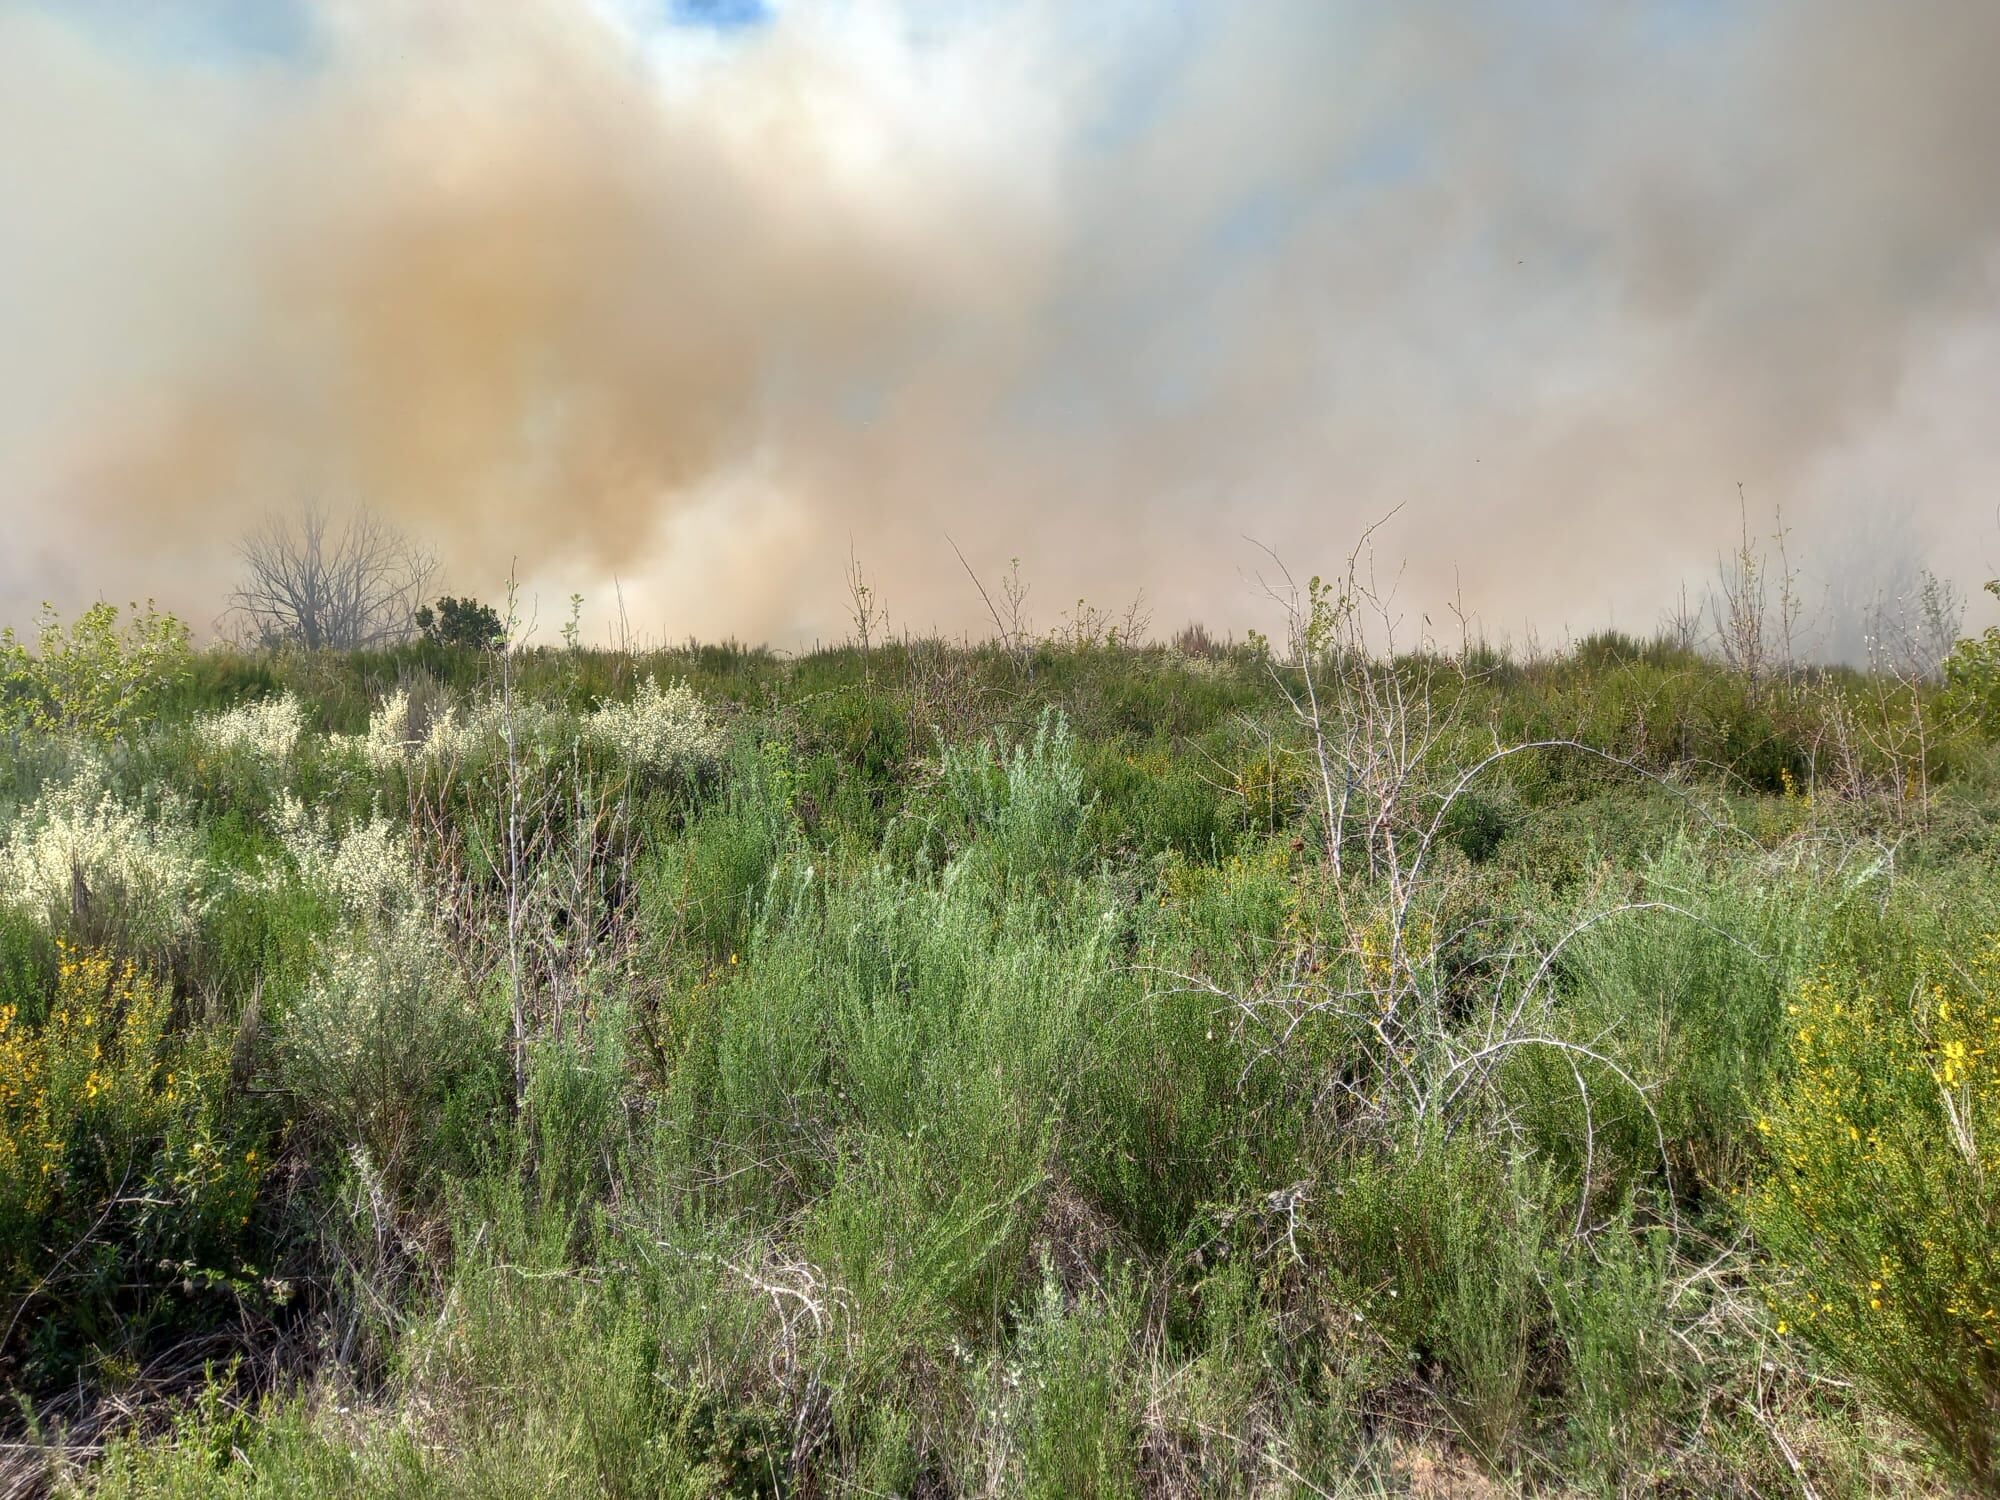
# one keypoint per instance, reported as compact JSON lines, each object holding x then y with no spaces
{"x":364,"y":872}
{"x":377,"y":1041}
{"x":659,"y":730}
{"x":395,"y":730}
{"x":438,"y":730}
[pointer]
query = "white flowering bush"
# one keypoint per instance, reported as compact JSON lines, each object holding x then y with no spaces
{"x":390,"y":737}
{"x":77,"y":844}
{"x":379,"y":1034}
{"x":456,"y":737}
{"x":661,"y":729}
{"x":268,"y":729}
{"x":398,"y":735}
{"x":367,"y":871}
{"x":384,"y":1023}
{"x":1174,"y":659}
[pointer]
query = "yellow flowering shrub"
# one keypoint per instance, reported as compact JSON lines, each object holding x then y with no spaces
{"x":112,"y":1142}
{"x":1269,"y":785}
{"x":1881,"y":1198}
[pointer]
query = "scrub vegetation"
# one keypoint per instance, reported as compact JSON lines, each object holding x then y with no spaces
{"x":1065,"y":1066}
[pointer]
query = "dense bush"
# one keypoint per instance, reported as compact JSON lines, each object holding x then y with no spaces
{"x":93,"y":677}
{"x":1880,"y":1197}
{"x":84,"y":861}
{"x":1972,"y":672}
{"x":462,"y":623}
{"x":128,"y":1174}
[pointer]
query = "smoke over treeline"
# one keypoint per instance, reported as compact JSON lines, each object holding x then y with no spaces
{"x":1103,"y":287}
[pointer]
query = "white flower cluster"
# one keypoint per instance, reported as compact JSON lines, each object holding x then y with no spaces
{"x":536,"y":728}
{"x":399,"y":735}
{"x":390,"y":737}
{"x":384,"y":1014}
{"x":660,"y":729}
{"x":77,"y":841}
{"x":368,"y":871}
{"x":268,"y":728}
{"x":356,"y":984}
{"x":453,"y":735}
{"x":1197,"y":666}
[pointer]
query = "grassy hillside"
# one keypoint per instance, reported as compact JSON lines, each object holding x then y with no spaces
{"x":1074,"y":1070}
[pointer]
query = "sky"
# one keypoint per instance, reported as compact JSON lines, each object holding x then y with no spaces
{"x":682,"y":303}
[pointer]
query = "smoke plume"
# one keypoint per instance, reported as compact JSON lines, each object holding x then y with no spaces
{"x":574,"y":288}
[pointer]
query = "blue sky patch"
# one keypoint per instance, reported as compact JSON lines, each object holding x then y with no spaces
{"x":721,"y":15}
{"x":196,"y":31}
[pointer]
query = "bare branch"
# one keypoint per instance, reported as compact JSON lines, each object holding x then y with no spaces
{"x":307,"y":583}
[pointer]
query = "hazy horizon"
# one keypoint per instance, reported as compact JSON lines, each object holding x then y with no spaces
{"x":701,"y":296}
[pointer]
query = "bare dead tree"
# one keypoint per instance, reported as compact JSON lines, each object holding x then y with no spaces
{"x":310,"y":581}
{"x":1739,"y":605}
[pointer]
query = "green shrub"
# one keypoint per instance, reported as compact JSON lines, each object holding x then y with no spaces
{"x":1690,"y":1002}
{"x":91,"y":678}
{"x":1025,"y":807}
{"x":706,"y":889}
{"x":1055,"y":1417}
{"x":463,"y":624}
{"x":1445,"y":1247}
{"x":1972,"y":672}
{"x":1611,"y":1314}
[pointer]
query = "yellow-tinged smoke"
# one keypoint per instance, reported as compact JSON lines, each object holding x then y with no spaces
{"x":1104,"y":288}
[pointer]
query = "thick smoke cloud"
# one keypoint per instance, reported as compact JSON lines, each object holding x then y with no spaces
{"x":567,"y":288}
